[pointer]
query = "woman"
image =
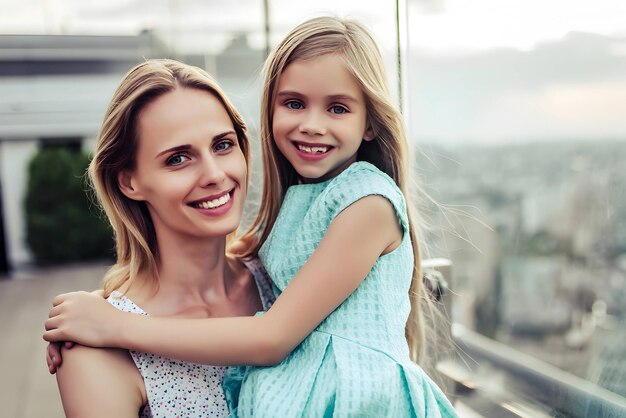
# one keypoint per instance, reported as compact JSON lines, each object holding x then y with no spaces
{"x":170,"y":170}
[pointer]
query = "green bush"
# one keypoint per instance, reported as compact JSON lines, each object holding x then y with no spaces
{"x":62,"y":223}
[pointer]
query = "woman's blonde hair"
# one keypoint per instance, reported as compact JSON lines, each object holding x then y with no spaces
{"x":353,"y":43}
{"x":116,"y":151}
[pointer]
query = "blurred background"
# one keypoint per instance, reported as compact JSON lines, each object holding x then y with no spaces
{"x":517,"y":114}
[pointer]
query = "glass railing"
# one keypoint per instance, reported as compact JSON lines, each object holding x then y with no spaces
{"x":490,"y":378}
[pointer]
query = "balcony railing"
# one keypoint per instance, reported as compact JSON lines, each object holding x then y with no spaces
{"x":490,"y":378}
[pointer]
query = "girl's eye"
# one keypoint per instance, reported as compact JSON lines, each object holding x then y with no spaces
{"x":294,"y":105}
{"x":177,"y":159}
{"x":338,"y":110}
{"x":223,"y":145}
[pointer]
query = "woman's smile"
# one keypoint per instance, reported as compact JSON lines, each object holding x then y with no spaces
{"x":215,"y":205}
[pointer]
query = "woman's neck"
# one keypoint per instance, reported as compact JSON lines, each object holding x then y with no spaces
{"x":193,"y":265}
{"x":193,"y":272}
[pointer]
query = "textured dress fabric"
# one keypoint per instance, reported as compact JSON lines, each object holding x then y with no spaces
{"x":356,"y":363}
{"x":180,"y":388}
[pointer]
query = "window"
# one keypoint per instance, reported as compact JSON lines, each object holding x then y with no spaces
{"x":519,"y":112}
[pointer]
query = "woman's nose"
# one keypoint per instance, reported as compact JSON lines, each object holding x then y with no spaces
{"x":212,"y":172}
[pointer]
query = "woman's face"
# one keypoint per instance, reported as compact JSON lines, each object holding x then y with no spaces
{"x":190,"y":170}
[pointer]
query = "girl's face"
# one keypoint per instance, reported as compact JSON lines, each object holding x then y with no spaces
{"x":319,"y":117}
{"x":190,"y":170}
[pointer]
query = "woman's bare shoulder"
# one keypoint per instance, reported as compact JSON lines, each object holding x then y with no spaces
{"x":100,"y":382}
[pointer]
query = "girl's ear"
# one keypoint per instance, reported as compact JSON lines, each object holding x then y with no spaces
{"x":369,"y":133}
{"x":126,"y":183}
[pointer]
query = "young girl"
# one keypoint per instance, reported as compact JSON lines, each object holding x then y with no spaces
{"x":335,"y":237}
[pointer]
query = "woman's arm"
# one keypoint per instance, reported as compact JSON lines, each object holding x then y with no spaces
{"x":344,"y":257}
{"x":98,"y":382}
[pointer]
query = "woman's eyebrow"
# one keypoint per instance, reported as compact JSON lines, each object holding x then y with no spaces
{"x":224,"y":134}
{"x":186,"y":147}
{"x":174,"y":149}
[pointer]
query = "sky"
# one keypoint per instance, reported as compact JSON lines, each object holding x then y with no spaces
{"x":186,"y":18}
{"x":478,"y":71}
{"x":568,"y":88}
{"x":490,"y":71}
{"x":462,"y":25}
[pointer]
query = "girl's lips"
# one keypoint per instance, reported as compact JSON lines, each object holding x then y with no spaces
{"x":312,"y":152}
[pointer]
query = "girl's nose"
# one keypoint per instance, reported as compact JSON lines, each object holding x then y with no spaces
{"x":212,"y":172}
{"x":312,"y":124}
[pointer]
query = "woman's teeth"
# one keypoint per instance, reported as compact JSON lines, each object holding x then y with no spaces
{"x":312,"y":150}
{"x":212,"y":204}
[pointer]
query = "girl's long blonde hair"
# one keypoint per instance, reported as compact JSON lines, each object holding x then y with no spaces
{"x":116,"y":150}
{"x":352,"y":42}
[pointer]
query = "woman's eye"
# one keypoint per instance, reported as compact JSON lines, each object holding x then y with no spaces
{"x":177,"y":159}
{"x":294,"y":105}
{"x":338,"y":110}
{"x":224,"y":145}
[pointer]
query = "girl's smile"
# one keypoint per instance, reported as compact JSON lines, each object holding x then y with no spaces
{"x":313,"y":152}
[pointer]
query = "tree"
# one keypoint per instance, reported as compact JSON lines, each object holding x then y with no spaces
{"x":62,"y":223}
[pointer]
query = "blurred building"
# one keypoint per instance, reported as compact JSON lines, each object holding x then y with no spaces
{"x":53,"y":90}
{"x":530,"y":299}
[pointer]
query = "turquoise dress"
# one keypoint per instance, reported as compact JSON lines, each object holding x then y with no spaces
{"x":356,"y":362}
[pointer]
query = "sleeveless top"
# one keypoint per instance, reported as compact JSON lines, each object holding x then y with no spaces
{"x":356,"y":362}
{"x":178,"y":388}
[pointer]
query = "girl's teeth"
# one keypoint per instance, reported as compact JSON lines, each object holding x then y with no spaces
{"x":212,"y":204}
{"x":312,"y":150}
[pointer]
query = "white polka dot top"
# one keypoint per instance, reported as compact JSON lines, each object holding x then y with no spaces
{"x":179,"y":388}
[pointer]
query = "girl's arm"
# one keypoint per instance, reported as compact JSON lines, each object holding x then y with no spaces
{"x":98,"y":382}
{"x":346,"y":254}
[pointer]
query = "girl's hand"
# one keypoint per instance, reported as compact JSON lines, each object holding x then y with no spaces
{"x":53,"y":355}
{"x":84,"y":318}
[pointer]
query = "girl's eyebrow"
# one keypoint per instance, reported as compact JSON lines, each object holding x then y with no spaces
{"x":289,"y":93}
{"x":186,"y":147}
{"x":342,"y":98}
{"x":331,"y":98}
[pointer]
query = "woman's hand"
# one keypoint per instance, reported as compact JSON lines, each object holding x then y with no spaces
{"x":53,"y":355}
{"x":84,"y":318}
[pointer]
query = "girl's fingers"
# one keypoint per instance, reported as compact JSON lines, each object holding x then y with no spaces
{"x":58,"y":299}
{"x":55,"y":311}
{"x":53,"y":335}
{"x":51,"y":323}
